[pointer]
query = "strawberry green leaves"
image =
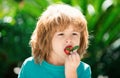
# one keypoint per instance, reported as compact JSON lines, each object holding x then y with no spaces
{"x":69,"y":49}
{"x":74,"y":48}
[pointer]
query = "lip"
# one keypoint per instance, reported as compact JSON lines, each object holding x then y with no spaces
{"x":69,"y":46}
{"x":68,"y":49}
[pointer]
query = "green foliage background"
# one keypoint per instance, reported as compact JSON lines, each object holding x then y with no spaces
{"x":18,"y":19}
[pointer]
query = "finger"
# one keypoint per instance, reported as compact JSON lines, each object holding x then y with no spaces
{"x":71,"y":52}
{"x":70,"y":57}
{"x":73,"y":55}
{"x":77,"y":57}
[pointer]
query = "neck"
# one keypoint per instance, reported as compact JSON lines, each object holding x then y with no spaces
{"x":55,"y":60}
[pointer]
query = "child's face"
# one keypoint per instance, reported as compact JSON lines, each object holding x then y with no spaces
{"x":61,"y":39}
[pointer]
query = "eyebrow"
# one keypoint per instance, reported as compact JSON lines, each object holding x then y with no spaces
{"x":76,"y":30}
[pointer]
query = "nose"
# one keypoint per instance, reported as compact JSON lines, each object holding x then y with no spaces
{"x":68,"y":41}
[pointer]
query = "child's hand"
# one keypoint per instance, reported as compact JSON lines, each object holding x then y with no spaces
{"x":71,"y":64}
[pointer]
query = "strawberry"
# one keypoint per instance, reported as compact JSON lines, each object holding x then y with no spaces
{"x":69,"y":49}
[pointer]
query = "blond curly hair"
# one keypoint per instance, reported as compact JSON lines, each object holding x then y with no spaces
{"x":57,"y":17}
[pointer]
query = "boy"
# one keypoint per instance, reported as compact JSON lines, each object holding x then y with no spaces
{"x":59,"y":27}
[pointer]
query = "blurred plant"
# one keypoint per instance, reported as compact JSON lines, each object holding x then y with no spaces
{"x":18,"y":19}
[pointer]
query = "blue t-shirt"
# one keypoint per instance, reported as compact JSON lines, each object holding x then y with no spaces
{"x":30,"y":69}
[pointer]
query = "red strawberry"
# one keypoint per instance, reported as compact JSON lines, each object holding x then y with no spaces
{"x":68,"y":49}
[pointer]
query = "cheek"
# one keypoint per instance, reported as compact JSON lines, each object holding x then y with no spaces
{"x":56,"y":44}
{"x":76,"y":41}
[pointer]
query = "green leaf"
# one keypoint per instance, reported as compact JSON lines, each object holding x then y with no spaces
{"x":68,"y":49}
{"x":74,"y":48}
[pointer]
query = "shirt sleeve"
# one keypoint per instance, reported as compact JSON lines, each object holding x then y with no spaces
{"x":22,"y":71}
{"x":87,"y":73}
{"x":84,"y":71}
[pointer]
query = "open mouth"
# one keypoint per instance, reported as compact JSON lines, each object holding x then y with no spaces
{"x":69,"y":49}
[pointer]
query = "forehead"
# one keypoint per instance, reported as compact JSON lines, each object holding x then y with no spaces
{"x":69,"y":28}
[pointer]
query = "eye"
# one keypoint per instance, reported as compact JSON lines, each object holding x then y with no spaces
{"x":60,"y":34}
{"x":74,"y":33}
